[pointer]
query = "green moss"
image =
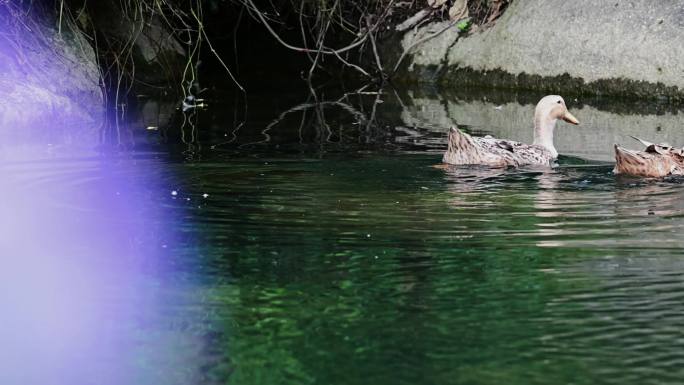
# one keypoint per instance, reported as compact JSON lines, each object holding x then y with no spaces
{"x":565,"y":84}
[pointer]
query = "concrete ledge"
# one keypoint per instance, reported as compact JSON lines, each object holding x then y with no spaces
{"x":626,"y":48}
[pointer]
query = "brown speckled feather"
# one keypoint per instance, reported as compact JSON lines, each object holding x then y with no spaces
{"x":657,"y":160}
{"x":465,"y":149}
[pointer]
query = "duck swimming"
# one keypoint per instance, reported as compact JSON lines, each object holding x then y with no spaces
{"x":657,"y":160}
{"x":465,"y":149}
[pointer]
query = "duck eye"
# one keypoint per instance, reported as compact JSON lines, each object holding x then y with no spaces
{"x":559,"y":102}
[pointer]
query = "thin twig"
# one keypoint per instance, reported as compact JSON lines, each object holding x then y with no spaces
{"x":375,"y":49}
{"x":349,"y":47}
{"x":213,"y":51}
{"x":423,"y":40}
{"x":413,"y":20}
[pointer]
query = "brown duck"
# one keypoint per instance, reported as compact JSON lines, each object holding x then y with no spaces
{"x":465,"y":149}
{"x":657,"y":160}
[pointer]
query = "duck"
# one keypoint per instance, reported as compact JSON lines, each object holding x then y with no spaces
{"x":463,"y":149}
{"x":656,"y":161}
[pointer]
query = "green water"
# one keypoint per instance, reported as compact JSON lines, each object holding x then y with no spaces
{"x":311,"y":253}
{"x":383,"y":270}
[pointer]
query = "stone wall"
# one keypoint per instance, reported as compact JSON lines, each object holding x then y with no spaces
{"x":630,"y":48}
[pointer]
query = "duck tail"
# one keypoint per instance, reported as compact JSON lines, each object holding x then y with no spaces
{"x":460,"y":147}
{"x":628,"y":162}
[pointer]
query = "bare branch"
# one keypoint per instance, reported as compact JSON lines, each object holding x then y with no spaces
{"x":423,"y":40}
{"x":413,"y":20}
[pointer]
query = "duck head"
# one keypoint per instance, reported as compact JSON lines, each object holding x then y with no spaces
{"x":549,"y":109}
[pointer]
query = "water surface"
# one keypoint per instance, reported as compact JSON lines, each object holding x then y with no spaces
{"x":289,"y":244}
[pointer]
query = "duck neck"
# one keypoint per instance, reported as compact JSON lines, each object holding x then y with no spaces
{"x":543,"y":133}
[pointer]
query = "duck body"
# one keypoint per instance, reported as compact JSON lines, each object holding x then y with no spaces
{"x":464,"y":149}
{"x":656,"y":161}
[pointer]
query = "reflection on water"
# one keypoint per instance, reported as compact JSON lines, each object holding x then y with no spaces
{"x":316,"y":243}
{"x":510,"y":116}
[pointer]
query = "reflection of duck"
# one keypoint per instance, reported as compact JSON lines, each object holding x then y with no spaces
{"x":657,"y":160}
{"x":465,"y":149}
{"x":651,"y":197}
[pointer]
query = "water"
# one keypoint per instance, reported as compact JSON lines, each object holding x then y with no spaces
{"x":323,"y":246}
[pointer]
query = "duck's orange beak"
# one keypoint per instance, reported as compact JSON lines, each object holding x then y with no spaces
{"x":568,"y":117}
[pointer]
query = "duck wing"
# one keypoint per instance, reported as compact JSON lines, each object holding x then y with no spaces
{"x":516,"y":153}
{"x":464,"y":149}
{"x":506,"y":145}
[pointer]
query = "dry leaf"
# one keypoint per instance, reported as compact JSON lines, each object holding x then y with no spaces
{"x":496,"y":8}
{"x":459,"y":10}
{"x":436,"y":3}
